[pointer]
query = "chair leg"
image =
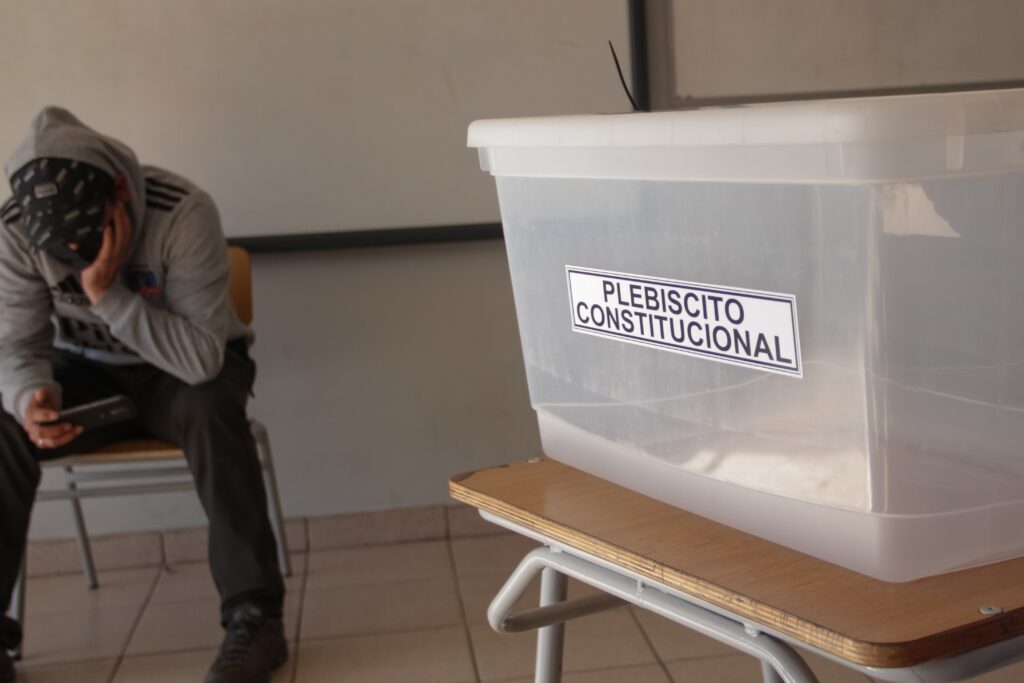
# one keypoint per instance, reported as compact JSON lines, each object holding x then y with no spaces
{"x":18,"y":603}
{"x":84,"y":549}
{"x":259,"y":433}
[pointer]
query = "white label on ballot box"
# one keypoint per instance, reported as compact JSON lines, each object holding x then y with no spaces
{"x":736,"y":326}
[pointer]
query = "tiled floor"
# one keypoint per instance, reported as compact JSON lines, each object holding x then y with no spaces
{"x":382,"y":614}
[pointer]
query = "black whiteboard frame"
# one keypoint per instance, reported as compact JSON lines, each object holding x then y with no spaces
{"x":359,"y":239}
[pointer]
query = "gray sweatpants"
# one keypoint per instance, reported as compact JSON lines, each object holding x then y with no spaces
{"x":208,"y":421}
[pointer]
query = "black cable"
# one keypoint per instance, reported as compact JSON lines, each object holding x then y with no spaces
{"x":622,"y":79}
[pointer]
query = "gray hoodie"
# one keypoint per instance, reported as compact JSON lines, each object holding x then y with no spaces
{"x":171,"y":307}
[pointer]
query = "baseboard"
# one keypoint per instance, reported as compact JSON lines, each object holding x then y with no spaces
{"x":305,"y":534}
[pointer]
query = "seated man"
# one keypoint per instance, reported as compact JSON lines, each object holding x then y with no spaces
{"x":114,"y":280}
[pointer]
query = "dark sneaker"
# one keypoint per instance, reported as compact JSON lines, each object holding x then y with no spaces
{"x":6,"y":667}
{"x":253,"y":647}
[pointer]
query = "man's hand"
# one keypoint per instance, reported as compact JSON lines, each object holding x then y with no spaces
{"x":44,"y":407}
{"x":117,"y":238}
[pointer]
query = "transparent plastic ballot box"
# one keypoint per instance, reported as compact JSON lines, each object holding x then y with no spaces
{"x":802,"y":320}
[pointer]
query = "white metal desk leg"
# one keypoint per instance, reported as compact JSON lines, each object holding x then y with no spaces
{"x":551,"y":639}
{"x":769,"y":674}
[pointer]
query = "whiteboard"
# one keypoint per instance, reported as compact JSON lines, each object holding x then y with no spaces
{"x":313,"y":116}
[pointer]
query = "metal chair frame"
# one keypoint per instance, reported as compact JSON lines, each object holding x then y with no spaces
{"x":103,"y":476}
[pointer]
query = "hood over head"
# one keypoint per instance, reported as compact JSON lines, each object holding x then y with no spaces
{"x":56,"y":133}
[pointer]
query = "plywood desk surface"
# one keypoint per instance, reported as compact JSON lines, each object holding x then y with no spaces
{"x":861,"y":619}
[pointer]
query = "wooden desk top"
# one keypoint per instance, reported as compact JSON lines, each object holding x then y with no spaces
{"x":861,"y":619}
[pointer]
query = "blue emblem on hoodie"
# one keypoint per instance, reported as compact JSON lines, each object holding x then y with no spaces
{"x":142,"y":280}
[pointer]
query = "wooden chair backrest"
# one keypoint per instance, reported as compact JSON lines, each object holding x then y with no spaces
{"x":241,"y":282}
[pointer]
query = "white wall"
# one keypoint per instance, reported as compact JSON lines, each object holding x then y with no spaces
{"x":713,"y":49}
{"x":398,"y":368}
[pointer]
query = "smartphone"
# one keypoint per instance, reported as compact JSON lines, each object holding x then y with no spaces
{"x":105,"y":411}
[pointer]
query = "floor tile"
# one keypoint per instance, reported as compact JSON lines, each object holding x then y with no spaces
{"x":672,"y":641}
{"x":297,"y":536}
{"x":745,"y":669}
{"x":478,"y":591}
{"x":732,"y":669}
{"x":68,"y":593}
{"x":651,"y":673}
{"x":435,"y":656}
{"x":191,"y":544}
{"x":191,"y":581}
{"x":490,"y":554}
{"x":114,"y":551}
{"x":122,"y":551}
{"x":512,"y":654}
{"x":79,"y":672}
{"x":828,"y":671}
{"x":378,"y":564}
{"x":83,"y":635}
{"x":186,"y":545}
{"x":184,"y":582}
{"x":177,"y":626}
{"x":1009,"y":674}
{"x":192,"y":625}
{"x":606,"y":639}
{"x":374,"y":608}
{"x":53,"y":556}
{"x":398,"y":525}
{"x":177,"y":667}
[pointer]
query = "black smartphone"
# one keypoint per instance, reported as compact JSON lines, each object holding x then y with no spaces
{"x":105,"y":411}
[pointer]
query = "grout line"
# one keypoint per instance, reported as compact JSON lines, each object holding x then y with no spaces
{"x":135,"y":624}
{"x":379,"y":634}
{"x":650,"y":643}
{"x":176,"y":651}
{"x":293,"y":660}
{"x":615,"y":667}
{"x":47,"y":661}
{"x":395,"y":583}
{"x":164,"y":563}
{"x":462,"y":607}
{"x":163,"y":548}
{"x":705,"y":658}
{"x":487,"y":534}
{"x":358,"y":546}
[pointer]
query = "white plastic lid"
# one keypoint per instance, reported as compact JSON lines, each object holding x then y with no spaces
{"x":843,"y":140}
